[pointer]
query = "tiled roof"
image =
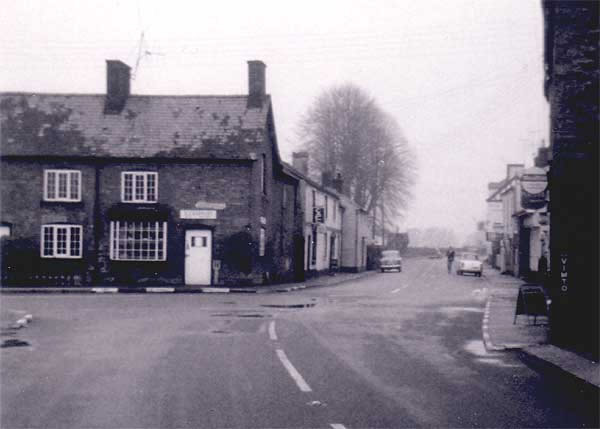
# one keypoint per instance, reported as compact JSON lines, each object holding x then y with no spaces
{"x":289,"y":169}
{"x":148,"y":126}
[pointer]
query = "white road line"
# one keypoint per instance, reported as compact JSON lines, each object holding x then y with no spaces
{"x":272,"y":334}
{"x":302,"y":385}
{"x":400,"y":288}
{"x":337,"y":426}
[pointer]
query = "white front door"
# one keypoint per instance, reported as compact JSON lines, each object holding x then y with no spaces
{"x":198,"y":256}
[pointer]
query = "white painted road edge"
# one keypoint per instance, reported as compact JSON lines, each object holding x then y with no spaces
{"x":215,"y":289}
{"x":272,"y":334}
{"x":105,"y":290}
{"x":160,"y":289}
{"x":487,"y":340}
{"x":302,"y":385}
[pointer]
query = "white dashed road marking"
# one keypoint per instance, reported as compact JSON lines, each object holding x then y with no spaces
{"x":302,"y":385}
{"x":272,"y":334}
{"x":338,"y":426}
{"x":400,"y":288}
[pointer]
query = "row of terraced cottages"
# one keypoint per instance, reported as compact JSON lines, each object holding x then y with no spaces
{"x":140,"y":190}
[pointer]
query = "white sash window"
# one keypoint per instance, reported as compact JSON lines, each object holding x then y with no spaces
{"x":62,"y":185}
{"x":61,"y":241}
{"x":139,"y":187}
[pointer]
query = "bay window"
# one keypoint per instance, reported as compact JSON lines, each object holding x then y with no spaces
{"x":138,"y":241}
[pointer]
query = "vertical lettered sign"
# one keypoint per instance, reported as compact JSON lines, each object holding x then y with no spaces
{"x":564,"y":273}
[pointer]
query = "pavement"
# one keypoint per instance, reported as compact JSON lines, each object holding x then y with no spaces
{"x":529,"y":335}
{"x":323,"y":280}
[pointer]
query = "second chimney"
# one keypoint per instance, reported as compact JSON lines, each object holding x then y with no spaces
{"x":300,"y":162}
{"x":256,"y":83}
{"x":338,"y":183}
{"x":118,"y":75}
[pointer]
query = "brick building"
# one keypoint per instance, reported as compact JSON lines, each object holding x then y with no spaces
{"x":572,"y":74}
{"x":133,"y":189}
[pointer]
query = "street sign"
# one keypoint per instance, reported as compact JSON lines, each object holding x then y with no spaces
{"x":198,"y":214}
{"x":318,"y":215}
{"x":531,"y":301}
{"x":534,"y":185}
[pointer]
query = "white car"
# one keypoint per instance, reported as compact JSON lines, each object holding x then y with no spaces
{"x":390,"y":260}
{"x":469,"y":263}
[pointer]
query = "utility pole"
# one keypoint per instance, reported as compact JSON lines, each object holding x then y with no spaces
{"x":382,"y":222}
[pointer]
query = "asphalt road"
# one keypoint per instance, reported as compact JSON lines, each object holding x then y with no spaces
{"x":391,"y":350}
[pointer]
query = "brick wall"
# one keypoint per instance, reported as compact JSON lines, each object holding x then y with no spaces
{"x":571,"y":33}
{"x":23,"y":207}
{"x":180,"y":187}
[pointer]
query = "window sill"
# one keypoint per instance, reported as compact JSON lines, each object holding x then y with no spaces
{"x":65,"y":258}
{"x":70,"y":204}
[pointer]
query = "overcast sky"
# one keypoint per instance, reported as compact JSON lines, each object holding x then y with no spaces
{"x":463,"y":78}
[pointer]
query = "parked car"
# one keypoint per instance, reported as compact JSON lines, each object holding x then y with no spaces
{"x":390,"y":260}
{"x":469,"y":263}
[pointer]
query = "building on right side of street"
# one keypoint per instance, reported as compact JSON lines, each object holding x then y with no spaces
{"x":509,"y":194}
{"x":572,"y":30}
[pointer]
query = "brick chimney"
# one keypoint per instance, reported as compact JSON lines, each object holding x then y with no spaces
{"x":338,"y":183}
{"x":326,"y":179}
{"x":300,"y":162}
{"x":118,"y":76}
{"x":256,"y":83}
{"x":513,"y":170}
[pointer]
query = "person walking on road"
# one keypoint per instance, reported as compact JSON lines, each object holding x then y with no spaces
{"x":450,"y":257}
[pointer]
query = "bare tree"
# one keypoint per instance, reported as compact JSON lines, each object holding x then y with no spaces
{"x":346,"y":132}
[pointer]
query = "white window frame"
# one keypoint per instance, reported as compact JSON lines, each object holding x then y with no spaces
{"x":62,"y":172}
{"x":159,"y":226}
{"x":144,"y":175}
{"x":55,"y":248}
